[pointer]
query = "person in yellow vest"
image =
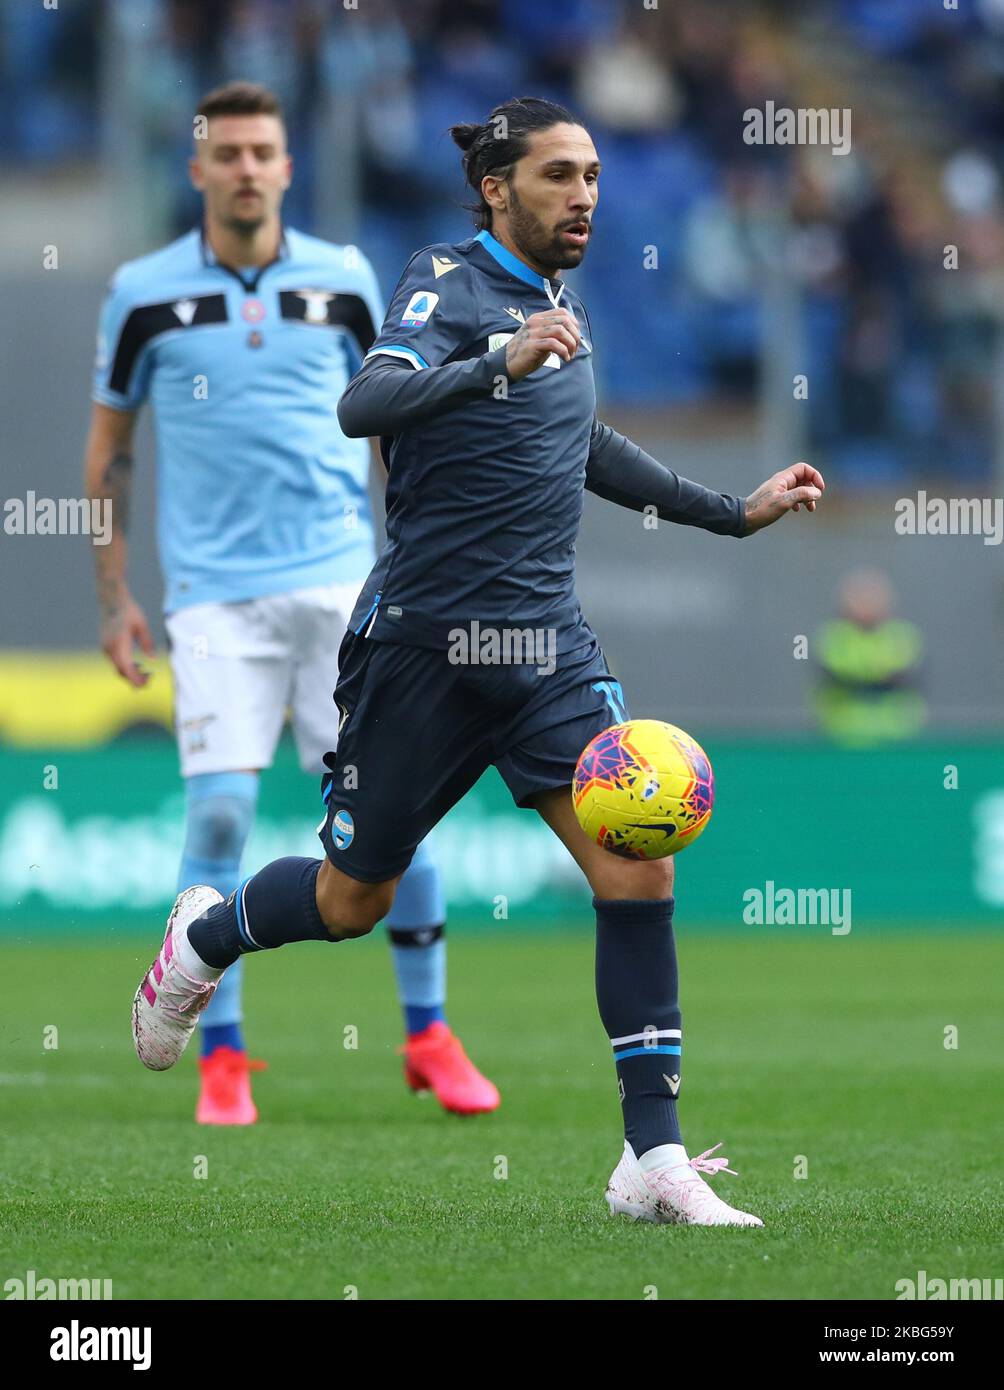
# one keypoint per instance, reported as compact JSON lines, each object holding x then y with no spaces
{"x":869,"y":663}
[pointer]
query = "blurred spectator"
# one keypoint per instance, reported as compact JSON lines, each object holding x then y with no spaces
{"x":868,"y":668}
{"x":625,"y":85}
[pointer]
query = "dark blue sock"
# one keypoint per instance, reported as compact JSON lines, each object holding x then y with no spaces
{"x":636,"y":989}
{"x":417,"y":1017}
{"x":222,"y":1035}
{"x":273,"y":907}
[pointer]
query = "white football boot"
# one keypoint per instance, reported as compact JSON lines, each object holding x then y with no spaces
{"x":176,"y":988}
{"x":673,"y":1192}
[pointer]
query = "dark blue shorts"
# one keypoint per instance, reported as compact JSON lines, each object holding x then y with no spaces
{"x":416,"y":732}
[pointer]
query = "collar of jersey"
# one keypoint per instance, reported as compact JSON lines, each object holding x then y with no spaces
{"x":209,"y":258}
{"x":513,"y":264}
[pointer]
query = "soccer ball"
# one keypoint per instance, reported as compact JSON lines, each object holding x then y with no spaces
{"x":643,"y":789}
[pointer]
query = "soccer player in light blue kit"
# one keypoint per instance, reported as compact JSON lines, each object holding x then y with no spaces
{"x":243,"y":335}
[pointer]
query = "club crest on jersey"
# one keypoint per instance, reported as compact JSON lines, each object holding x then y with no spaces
{"x":419,"y":308}
{"x":495,"y":340}
{"x":343,"y":829}
{"x":317,"y":302}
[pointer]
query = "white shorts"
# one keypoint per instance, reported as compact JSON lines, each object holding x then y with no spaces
{"x":239,"y":668}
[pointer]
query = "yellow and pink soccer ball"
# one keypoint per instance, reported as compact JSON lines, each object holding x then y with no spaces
{"x":643,"y":789}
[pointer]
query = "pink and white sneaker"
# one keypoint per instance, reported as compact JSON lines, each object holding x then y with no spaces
{"x":668,"y":1189}
{"x":176,"y":988}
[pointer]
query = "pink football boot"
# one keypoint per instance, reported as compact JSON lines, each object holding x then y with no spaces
{"x":435,"y":1060}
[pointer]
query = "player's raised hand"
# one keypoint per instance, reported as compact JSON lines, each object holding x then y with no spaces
{"x":786,"y":491}
{"x":123,"y":629}
{"x":552,"y":330}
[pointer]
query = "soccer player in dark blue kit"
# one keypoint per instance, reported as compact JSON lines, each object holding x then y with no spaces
{"x":480,"y":385}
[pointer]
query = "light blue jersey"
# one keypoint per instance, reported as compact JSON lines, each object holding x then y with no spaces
{"x":258,"y":490}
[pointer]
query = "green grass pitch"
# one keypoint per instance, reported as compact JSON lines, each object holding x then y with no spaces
{"x":828,"y":1048}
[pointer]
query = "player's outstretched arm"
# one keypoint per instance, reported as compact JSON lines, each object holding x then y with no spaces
{"x":620,"y":471}
{"x":108,"y":477}
{"x":786,"y":491}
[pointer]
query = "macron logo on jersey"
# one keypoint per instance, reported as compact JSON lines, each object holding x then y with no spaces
{"x":419,"y":308}
{"x":442,"y":266}
{"x":185,"y":311}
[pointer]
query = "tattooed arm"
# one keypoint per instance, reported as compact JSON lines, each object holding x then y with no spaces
{"x":108,"y":477}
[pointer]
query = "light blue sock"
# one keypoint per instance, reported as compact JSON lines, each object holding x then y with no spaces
{"x":220,"y":813}
{"x":416,"y":924}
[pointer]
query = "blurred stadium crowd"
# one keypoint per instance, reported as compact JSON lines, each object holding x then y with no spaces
{"x":899,"y":351}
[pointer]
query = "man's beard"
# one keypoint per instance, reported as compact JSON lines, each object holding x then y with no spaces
{"x":244,"y":226}
{"x":541,"y":245}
